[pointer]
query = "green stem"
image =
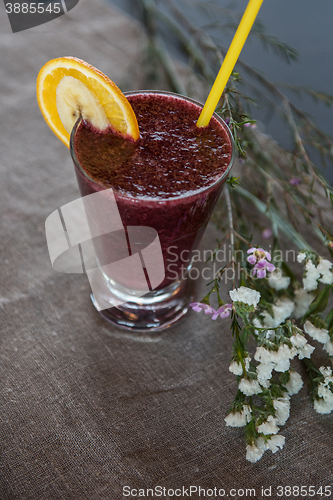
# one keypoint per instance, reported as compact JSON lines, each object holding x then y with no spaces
{"x":239,"y":345}
{"x":281,"y":223}
{"x":231,"y":229}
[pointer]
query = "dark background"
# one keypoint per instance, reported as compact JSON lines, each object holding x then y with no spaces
{"x":306,"y":26}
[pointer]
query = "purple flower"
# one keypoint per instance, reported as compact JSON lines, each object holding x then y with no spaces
{"x":257,"y":254}
{"x":199,"y":306}
{"x":249,"y":124}
{"x":261,"y":267}
{"x":259,"y":259}
{"x":223,"y":311}
{"x":295,"y":181}
{"x":267,"y":233}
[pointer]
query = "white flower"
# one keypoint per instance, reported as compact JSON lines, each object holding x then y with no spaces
{"x":325,"y":403}
{"x":281,"y":311}
{"x":253,"y":453}
{"x":322,"y":272}
{"x":303,"y":300}
{"x":329,"y":347}
{"x":304,"y":349}
{"x":285,"y":352}
{"x":245,"y":295}
{"x":300,"y":257}
{"x":320,"y":334}
{"x":310,"y":284}
{"x":325,"y":392}
{"x":264,"y":382}
{"x":324,"y":267}
{"x":276,"y":442}
{"x":282,"y":366}
{"x":312,"y":275}
{"x":298,"y":340}
{"x":311,"y":270}
{"x":322,"y":407}
{"x":262,"y":443}
{"x":239,"y":419}
{"x":294,"y":384}
{"x":263,"y":355}
{"x":237,"y":369}
{"x":326,"y":371}
{"x":277,"y":281}
{"x":282,"y":409}
{"x":249,"y":387}
{"x":306,"y":352}
{"x":264,"y":371}
{"x":327,"y":279}
{"x":279,"y":358}
{"x":269,"y":427}
{"x":257,"y":323}
{"x":283,"y":356}
{"x":273,"y":443}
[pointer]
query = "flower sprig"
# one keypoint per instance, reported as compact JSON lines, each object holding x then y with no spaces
{"x":267,"y":380}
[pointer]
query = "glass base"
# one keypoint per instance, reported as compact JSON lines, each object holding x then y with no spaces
{"x":154,"y":311}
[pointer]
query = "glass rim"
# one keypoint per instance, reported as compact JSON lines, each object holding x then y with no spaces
{"x":155,"y":198}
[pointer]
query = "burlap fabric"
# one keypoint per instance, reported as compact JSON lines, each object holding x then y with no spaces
{"x":87,"y":409}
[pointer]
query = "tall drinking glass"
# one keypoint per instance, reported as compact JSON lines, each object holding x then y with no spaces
{"x":135,"y":293}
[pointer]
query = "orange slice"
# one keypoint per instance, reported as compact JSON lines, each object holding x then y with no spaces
{"x":68,"y":87}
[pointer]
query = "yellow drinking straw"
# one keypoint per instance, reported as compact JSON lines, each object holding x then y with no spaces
{"x":229,"y":62}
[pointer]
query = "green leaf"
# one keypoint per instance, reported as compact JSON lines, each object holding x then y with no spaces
{"x":329,"y":319}
{"x":287,"y":271}
{"x":281,"y":223}
{"x":250,"y":432}
{"x":320,"y":304}
{"x":317,"y":96}
{"x":233,"y":181}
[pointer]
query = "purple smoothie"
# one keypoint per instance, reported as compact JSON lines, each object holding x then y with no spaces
{"x":169,"y":179}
